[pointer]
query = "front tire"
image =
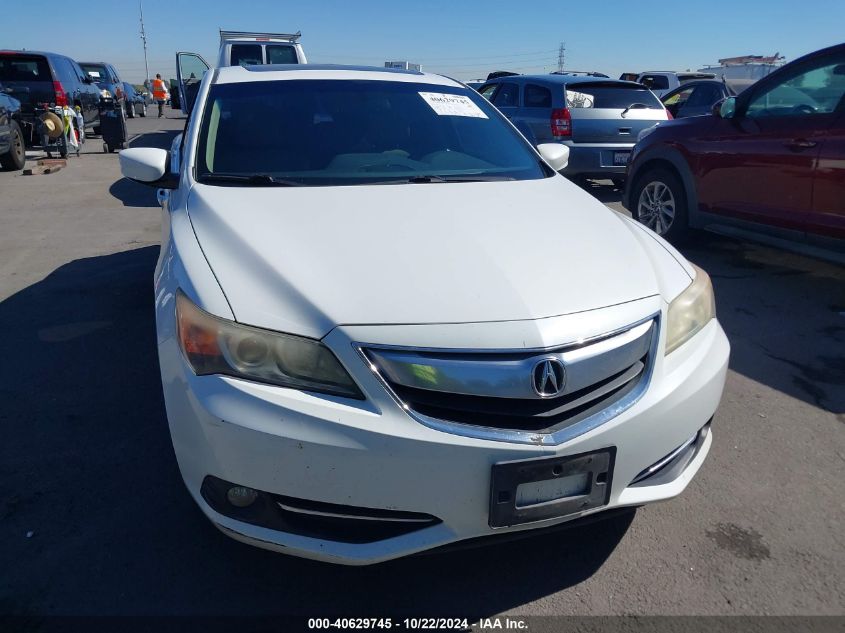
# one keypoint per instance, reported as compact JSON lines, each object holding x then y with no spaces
{"x":15,"y":158}
{"x":660,"y":203}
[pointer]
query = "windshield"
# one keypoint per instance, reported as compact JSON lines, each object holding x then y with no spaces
{"x":24,"y":68}
{"x":97,"y":72}
{"x":349,"y":132}
{"x":609,"y":95}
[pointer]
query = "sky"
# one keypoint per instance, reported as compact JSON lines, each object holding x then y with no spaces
{"x":464,"y":39}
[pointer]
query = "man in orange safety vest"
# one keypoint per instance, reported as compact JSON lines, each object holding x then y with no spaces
{"x":159,"y":94}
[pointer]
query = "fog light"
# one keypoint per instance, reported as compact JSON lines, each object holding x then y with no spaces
{"x":241,"y":496}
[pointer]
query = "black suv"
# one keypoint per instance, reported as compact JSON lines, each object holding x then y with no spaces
{"x":34,"y":78}
{"x":12,"y":152}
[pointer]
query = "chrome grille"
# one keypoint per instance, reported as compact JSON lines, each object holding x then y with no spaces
{"x":492,"y":394}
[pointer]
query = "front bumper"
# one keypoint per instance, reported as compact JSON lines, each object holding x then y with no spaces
{"x":372,"y":454}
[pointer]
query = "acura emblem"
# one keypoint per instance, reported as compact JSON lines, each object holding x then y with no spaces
{"x":549,"y":377}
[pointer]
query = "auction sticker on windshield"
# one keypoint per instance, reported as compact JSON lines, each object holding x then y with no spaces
{"x":452,"y":105}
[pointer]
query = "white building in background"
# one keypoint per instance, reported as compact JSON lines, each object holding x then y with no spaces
{"x":745,"y":67}
{"x":403,"y":66}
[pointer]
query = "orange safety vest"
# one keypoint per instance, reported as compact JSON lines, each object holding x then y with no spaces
{"x":159,"y":91}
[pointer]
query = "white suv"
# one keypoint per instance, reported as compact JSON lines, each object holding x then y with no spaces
{"x":386,"y":323}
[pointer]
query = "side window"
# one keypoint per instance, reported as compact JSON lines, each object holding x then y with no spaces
{"x":507,"y":96}
{"x":537,"y":97}
{"x":678,"y":101}
{"x":115,"y":76}
{"x":60,"y":69}
{"x":281,"y":54}
{"x":655,"y":82}
{"x":704,"y":96}
{"x":65,"y":71}
{"x":246,"y":55}
{"x":77,"y":70}
{"x":817,"y":90}
{"x":488,"y":90}
{"x":679,"y":98}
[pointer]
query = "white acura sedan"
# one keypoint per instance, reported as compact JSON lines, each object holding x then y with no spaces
{"x":386,"y":323}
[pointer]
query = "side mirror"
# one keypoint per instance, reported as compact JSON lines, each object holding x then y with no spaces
{"x":149,"y":166}
{"x":555,"y":154}
{"x":88,"y":79}
{"x":725,"y":109}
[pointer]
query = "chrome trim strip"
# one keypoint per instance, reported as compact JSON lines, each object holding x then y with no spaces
{"x":339,"y":515}
{"x":648,"y":472}
{"x":511,"y":350}
{"x":530,"y":437}
{"x":511,"y":377}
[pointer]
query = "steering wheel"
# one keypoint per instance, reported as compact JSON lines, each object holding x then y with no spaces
{"x":804,"y":108}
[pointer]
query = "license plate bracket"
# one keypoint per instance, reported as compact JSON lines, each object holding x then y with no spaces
{"x":507,"y":477}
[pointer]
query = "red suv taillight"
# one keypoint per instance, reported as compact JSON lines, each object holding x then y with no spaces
{"x":61,"y":96}
{"x":561,"y":123}
{"x":669,"y":115}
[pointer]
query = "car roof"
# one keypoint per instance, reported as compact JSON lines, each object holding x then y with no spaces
{"x":566,"y":79}
{"x":28,"y":52}
{"x":280,"y":72}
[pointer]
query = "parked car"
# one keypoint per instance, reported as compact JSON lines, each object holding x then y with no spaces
{"x":35,"y":77}
{"x":502,"y":351}
{"x":662,"y":81}
{"x":629,"y":76}
{"x":141,"y":89}
{"x":108,"y":80}
{"x":696,"y":98}
{"x":770,"y":161}
{"x":12,"y":150}
{"x":136,"y":103}
{"x":598,"y":119}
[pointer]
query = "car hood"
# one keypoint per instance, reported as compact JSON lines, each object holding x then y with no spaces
{"x":304,"y":260}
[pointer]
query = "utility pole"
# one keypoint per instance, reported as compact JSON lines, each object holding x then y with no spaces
{"x":144,"y":40}
{"x":561,"y":53}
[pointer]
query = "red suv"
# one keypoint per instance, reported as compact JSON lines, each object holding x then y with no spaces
{"x":770,"y":161}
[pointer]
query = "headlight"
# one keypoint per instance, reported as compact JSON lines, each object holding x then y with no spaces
{"x":213,"y":345}
{"x":105,"y":94}
{"x":690,"y":311}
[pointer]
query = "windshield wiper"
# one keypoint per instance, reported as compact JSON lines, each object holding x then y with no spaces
{"x":258,"y":180}
{"x":435,"y":178}
{"x":634,"y":106}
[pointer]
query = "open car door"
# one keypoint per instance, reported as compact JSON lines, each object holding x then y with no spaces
{"x":190,"y":69}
